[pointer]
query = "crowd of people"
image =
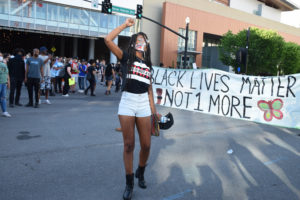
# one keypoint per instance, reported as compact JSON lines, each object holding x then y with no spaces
{"x":46,"y":75}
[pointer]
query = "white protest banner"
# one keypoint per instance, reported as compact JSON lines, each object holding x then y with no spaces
{"x":271,"y":100}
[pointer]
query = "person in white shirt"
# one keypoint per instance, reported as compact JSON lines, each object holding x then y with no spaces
{"x":46,"y":85}
{"x":58,"y":66}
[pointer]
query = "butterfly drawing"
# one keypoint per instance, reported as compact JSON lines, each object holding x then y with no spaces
{"x":271,"y":109}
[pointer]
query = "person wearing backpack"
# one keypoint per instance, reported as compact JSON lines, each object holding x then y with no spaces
{"x":109,"y":76}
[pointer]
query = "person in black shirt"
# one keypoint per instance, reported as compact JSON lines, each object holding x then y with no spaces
{"x":67,"y":75}
{"x":137,"y":104}
{"x":91,"y":77}
{"x":109,"y":76}
{"x":16,"y":67}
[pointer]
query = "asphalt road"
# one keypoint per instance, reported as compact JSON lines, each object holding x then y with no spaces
{"x":70,"y":151}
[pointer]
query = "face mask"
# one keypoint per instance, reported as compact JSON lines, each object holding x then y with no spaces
{"x":1,"y":58}
{"x":140,"y":45}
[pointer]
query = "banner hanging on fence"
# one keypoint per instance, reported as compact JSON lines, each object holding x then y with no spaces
{"x":270,"y":100}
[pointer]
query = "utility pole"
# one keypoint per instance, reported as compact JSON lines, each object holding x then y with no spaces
{"x":187,"y":22}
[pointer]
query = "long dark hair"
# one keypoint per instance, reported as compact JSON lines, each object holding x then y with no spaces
{"x":132,"y":51}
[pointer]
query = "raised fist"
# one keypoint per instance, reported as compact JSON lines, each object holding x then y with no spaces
{"x":129,"y":22}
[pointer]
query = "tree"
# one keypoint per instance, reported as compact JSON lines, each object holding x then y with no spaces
{"x":290,"y":63}
{"x":264,"y":53}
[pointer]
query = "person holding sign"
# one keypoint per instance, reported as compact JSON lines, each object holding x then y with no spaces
{"x":137,"y":104}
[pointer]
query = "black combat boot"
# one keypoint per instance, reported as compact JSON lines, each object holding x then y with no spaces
{"x":139,"y":173}
{"x":129,"y":187}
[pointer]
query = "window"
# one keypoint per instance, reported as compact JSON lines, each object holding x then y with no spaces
{"x":4,"y":7}
{"x":63,"y":14}
{"x":52,"y":12}
{"x":14,"y":8}
{"x":258,"y":11}
{"x":112,"y":21}
{"x":28,"y":11}
{"x":191,"y":42}
{"x":84,"y":17}
{"x":121,"y":20}
{"x":95,"y":18}
{"x":103,"y":20}
{"x":74,"y":15}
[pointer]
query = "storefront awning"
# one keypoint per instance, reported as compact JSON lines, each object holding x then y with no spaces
{"x":189,"y":52}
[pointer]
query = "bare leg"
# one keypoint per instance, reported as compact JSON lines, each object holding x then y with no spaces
{"x":46,"y":93}
{"x":144,"y":128}
{"x":109,"y":85}
{"x":127,"y":125}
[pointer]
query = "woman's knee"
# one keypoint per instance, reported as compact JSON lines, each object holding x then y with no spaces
{"x":145,"y":147}
{"x":129,"y":147}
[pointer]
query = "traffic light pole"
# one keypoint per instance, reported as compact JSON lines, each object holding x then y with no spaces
{"x":163,"y":26}
{"x":185,"y":38}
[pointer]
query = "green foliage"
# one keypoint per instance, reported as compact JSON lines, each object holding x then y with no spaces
{"x":290,"y":59}
{"x":268,"y":52}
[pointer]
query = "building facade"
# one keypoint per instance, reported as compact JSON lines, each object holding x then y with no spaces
{"x":72,"y":27}
{"x":209,"y":20}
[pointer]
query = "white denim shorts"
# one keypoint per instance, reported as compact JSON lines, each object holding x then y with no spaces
{"x":134,"y":105}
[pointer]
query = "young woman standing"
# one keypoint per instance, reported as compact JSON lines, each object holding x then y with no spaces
{"x":137,"y":104}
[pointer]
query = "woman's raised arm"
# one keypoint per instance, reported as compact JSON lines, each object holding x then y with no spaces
{"x":113,"y":34}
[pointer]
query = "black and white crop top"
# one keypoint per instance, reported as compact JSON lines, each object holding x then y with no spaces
{"x":137,"y":80}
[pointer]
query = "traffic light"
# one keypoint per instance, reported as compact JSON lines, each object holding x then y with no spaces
{"x":106,"y":7}
{"x":139,"y":11}
{"x":109,"y":8}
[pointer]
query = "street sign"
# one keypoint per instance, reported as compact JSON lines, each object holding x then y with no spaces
{"x":94,"y":3}
{"x":119,"y":6}
{"x":123,"y":10}
{"x":53,"y":49}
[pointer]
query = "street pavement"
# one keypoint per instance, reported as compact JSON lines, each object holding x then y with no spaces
{"x":70,"y":151}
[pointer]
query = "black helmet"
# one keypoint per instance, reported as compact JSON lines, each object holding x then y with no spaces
{"x":168,"y":124}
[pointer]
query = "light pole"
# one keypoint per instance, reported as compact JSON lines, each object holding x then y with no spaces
{"x":187,"y":22}
{"x":186,"y":38}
